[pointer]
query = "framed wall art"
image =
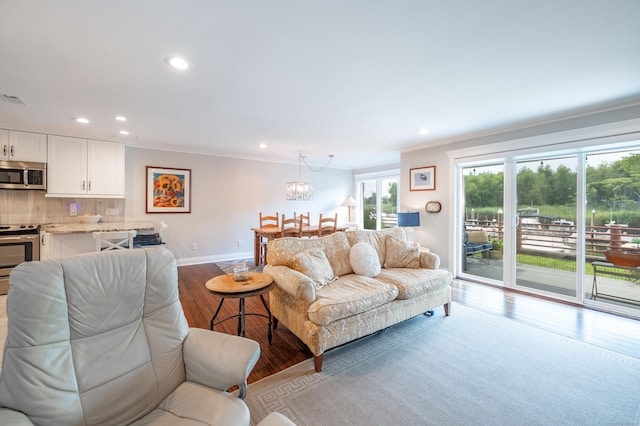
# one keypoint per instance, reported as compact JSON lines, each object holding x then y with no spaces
{"x":168,"y":190}
{"x":422,"y":178}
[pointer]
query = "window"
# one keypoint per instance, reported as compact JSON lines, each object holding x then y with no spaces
{"x":378,"y":199}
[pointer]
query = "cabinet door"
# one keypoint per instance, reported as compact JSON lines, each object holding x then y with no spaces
{"x":67,"y":166}
{"x":4,"y":144}
{"x":25,"y":146}
{"x":105,"y":168}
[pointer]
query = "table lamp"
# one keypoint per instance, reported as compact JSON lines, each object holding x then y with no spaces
{"x":409,"y":219}
{"x":349,"y":202}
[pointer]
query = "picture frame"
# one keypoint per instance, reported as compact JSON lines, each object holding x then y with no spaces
{"x":422,"y":179}
{"x":168,"y":190}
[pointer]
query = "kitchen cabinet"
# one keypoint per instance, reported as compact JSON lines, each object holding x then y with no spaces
{"x":23,"y":146}
{"x":84,"y":168}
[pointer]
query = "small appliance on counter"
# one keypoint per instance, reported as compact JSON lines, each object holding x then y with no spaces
{"x":18,"y":243}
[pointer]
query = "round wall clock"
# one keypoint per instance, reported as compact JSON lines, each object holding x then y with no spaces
{"x":433,"y":206}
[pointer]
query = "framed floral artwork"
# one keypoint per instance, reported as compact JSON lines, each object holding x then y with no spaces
{"x":168,"y":190}
{"x":422,"y":179}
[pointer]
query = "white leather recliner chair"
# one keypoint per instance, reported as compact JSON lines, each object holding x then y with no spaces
{"x":101,"y":339}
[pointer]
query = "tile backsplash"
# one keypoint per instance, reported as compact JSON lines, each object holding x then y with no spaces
{"x":25,"y":207}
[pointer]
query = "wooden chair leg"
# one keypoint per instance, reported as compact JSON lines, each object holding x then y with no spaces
{"x":317,"y":362}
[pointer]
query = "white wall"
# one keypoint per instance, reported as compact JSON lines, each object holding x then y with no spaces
{"x":227,"y":196}
{"x":436,"y":229}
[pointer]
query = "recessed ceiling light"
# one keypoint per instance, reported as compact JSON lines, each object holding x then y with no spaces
{"x":120,"y":118}
{"x":82,"y":120}
{"x":423,"y":131}
{"x":177,"y":62}
{"x":262,"y":145}
{"x":124,"y":132}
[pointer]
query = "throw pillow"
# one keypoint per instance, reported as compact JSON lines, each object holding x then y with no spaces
{"x":314,"y":264}
{"x":402,"y":254}
{"x":477,"y":237}
{"x":364,"y":260}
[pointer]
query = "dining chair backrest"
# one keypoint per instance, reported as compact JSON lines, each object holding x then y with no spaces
{"x":305,"y":218}
{"x":291,"y":227}
{"x":269,"y":221}
{"x":327,"y":225}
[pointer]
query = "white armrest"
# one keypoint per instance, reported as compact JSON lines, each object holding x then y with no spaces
{"x":218,"y":360}
{"x":293,"y":282}
{"x":276,"y":419}
{"x":429,"y":260}
{"x":14,"y":418}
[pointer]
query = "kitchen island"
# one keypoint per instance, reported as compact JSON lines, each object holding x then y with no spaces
{"x":71,"y":238}
{"x":87,"y":228}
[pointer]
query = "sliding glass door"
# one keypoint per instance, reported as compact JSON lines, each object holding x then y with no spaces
{"x":483,"y":228}
{"x":551,"y":224}
{"x":545,"y":233}
{"x":612,"y":228}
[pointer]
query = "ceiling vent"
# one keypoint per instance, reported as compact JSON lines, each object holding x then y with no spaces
{"x":12,"y":99}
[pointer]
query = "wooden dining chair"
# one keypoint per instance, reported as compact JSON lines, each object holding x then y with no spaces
{"x":291,"y":227}
{"x":267,"y":222}
{"x":305,"y":219}
{"x":327,"y":225}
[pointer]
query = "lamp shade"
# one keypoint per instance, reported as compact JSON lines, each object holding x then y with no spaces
{"x":409,"y":219}
{"x":349,"y":202}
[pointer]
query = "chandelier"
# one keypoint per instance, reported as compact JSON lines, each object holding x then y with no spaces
{"x":300,"y":190}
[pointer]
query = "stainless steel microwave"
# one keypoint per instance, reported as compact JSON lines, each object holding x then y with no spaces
{"x":23,"y":175}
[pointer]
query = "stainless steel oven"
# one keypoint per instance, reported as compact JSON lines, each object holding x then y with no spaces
{"x":18,"y":243}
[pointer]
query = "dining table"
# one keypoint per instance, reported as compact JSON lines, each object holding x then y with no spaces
{"x":270,"y":233}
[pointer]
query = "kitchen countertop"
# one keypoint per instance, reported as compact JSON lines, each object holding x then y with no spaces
{"x":85,"y":228}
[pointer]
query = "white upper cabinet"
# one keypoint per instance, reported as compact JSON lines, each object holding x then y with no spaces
{"x":23,"y":146}
{"x":84,"y":168}
{"x":105,"y":168}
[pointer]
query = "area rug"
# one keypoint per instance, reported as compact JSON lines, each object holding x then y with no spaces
{"x":472,"y":368}
{"x":227,"y":266}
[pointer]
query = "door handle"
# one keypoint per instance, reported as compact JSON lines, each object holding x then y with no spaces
{"x":13,"y":154}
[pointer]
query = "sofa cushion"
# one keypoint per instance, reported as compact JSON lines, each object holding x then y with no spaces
{"x":349,"y":295}
{"x":477,"y":237}
{"x":335,"y":247}
{"x":377,"y":239}
{"x":314,"y":264}
{"x":364,"y":260}
{"x":415,"y":282}
{"x":402,"y":254}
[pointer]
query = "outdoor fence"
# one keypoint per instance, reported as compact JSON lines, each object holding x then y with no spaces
{"x":559,"y":240}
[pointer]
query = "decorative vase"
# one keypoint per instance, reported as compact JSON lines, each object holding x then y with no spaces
{"x":240,"y":271}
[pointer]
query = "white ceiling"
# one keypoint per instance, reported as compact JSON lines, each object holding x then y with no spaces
{"x":353,"y":78}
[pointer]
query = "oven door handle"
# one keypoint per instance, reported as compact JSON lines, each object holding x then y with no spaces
{"x":18,"y":238}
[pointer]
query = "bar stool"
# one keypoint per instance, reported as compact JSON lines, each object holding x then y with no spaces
{"x":114,"y":240}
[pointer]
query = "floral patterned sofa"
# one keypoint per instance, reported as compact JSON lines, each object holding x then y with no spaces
{"x":335,"y":289}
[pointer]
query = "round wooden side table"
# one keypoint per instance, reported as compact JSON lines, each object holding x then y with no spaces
{"x":225,"y":287}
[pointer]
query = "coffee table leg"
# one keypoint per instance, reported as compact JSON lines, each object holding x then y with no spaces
{"x":216,"y":314}
{"x":241,"y":330}
{"x":270,"y":332}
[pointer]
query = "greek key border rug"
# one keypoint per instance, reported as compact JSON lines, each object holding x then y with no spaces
{"x":471,"y":368}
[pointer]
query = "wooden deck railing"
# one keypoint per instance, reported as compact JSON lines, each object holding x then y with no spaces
{"x":559,"y":240}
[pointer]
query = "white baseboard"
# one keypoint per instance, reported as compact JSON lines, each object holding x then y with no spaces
{"x":214,"y":258}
